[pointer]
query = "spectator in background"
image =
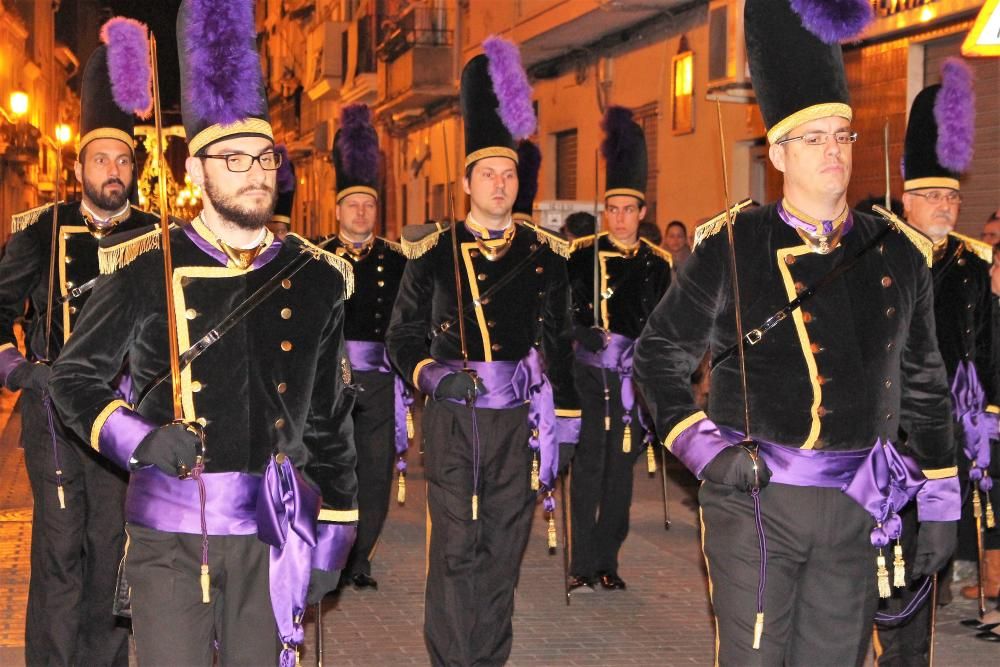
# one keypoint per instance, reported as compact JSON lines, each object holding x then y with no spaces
{"x":677,"y":243}
{"x":578,"y":224}
{"x":651,"y":232}
{"x":991,"y":230}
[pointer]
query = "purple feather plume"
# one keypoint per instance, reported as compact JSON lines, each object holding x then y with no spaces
{"x":358,"y":144}
{"x":128,"y":65}
{"x":834,"y":20}
{"x":616,"y":123}
{"x":510,"y":84}
{"x":286,"y":172}
{"x":955,"y":114}
{"x":224,"y":68}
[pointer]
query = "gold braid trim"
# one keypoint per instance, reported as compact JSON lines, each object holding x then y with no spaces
{"x":122,"y":254}
{"x":706,"y":229}
{"x":395,"y":247}
{"x":980,"y":249}
{"x":415,"y":249}
{"x":556,"y":243}
{"x":584,"y":241}
{"x":659,"y":252}
{"x":21,"y":221}
{"x":339,"y":263}
{"x":922,"y":243}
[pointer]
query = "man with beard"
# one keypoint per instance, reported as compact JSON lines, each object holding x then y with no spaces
{"x":937,"y":151}
{"x":380,"y":415}
{"x":77,"y":535}
{"x":264,"y":403}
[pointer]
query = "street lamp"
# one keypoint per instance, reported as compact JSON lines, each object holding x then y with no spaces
{"x":19,"y":103}
{"x":63,"y":133}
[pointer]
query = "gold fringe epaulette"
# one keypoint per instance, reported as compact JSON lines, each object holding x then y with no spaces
{"x":711,"y":227}
{"x":659,"y":252}
{"x":922,"y":243}
{"x":555,"y":242}
{"x":342,"y":265}
{"x":419,"y":239}
{"x":392,"y":245}
{"x":581,"y":242}
{"x":25,"y":219}
{"x":980,"y":249}
{"x":124,"y":251}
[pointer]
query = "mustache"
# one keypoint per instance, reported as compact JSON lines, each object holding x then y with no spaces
{"x":251,"y":188}
{"x":111,"y":181}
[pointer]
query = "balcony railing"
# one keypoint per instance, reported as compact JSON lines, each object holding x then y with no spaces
{"x":417,"y":26}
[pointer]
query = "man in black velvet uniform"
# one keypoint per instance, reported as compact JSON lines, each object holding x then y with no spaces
{"x":828,"y":388}
{"x":77,"y":535}
{"x":380,"y":413}
{"x":269,"y":396}
{"x":486,"y":428}
{"x":633,"y":275}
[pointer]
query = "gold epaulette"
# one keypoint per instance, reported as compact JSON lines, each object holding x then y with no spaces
{"x":418,"y":239}
{"x":980,"y":249}
{"x":922,"y":243}
{"x":333,"y":260}
{"x":25,"y":219}
{"x":717,"y":222}
{"x":583,"y":242}
{"x":392,"y":245}
{"x":555,"y":242}
{"x":123,"y":249}
{"x":659,"y":252}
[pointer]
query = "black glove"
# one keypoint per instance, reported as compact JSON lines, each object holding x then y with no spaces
{"x":566,"y":453}
{"x":169,"y":447}
{"x":29,"y":376}
{"x":321,"y":582}
{"x":459,"y":386}
{"x":936,"y":542}
{"x":591,"y":338}
{"x":734,"y":467}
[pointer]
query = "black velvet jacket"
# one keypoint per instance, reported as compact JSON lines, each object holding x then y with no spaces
{"x":636,"y":281}
{"x":856,"y":363}
{"x":24,"y":274}
{"x":376,"y":281}
{"x":274,"y":382}
{"x":531,"y":310}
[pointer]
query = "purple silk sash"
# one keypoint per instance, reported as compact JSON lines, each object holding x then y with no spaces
{"x":369,"y":356}
{"x":979,"y":426}
{"x":511,"y":384}
{"x":617,"y":357}
{"x":809,"y":228}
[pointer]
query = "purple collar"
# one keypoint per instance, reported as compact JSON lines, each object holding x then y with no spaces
{"x":794,"y":219}
{"x":215,"y":253}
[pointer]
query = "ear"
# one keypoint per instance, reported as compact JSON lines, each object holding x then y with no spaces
{"x":642,"y":214}
{"x":336,"y":211}
{"x":196,"y":170}
{"x":465,"y":185}
{"x":907,"y":204}
{"x":776,"y":153}
{"x":78,"y":171}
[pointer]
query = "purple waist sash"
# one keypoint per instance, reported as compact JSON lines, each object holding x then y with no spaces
{"x":979,"y":426}
{"x":369,"y":356}
{"x":162,"y":502}
{"x":617,"y":357}
{"x":511,"y":384}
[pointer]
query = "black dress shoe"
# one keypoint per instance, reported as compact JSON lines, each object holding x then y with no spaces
{"x":612,"y":582}
{"x":362,"y":580}
{"x":988,"y":636}
{"x":977,"y":624}
{"x":581,"y":584}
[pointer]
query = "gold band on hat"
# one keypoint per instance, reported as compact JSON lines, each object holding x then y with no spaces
{"x":356,"y":189}
{"x":491,"y":151}
{"x":106,"y":133}
{"x":214,"y":133}
{"x":931,"y":182}
{"x":825,"y":110}
{"x":614,"y":192}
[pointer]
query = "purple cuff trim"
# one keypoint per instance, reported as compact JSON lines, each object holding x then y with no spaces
{"x":10,"y":359}
{"x":698,"y":444}
{"x":940,"y":500}
{"x":333,"y":545}
{"x":568,"y":430}
{"x":430,"y":377}
{"x":121,"y":434}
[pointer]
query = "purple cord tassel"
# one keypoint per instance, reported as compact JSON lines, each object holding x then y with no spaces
{"x":47,"y":402}
{"x":758,"y":626}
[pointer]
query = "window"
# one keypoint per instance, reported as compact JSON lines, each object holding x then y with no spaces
{"x":566,"y":164}
{"x":682,"y":120}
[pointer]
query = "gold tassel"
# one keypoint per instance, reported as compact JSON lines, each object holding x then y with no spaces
{"x":898,"y":566}
{"x":883,"y":576}
{"x":342,"y":265}
{"x":475,"y":506}
{"x":204,"y":584}
{"x":991,"y":521}
{"x":401,"y":489}
{"x":650,"y":460}
{"x":552,"y":533}
{"x":112,"y":258}
{"x":758,"y":630}
{"x":62,"y":497}
{"x":535,"y":484}
{"x":627,"y":440}
{"x":977,"y":504}
{"x":21,"y":221}
{"x":410,"y":430}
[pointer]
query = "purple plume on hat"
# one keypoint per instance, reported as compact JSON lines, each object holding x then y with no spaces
{"x":224,"y":71}
{"x":510,"y":85}
{"x":834,"y":20}
{"x":616,"y":124}
{"x":955,"y":114}
{"x":286,"y":172}
{"x":358,"y":144}
{"x":128,"y":65}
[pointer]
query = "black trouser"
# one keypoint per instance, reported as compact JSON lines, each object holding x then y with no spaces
{"x":473,"y":566}
{"x":375,"y":439}
{"x":172,"y":625}
{"x":820,"y":595}
{"x":74,"y":551}
{"x":601,"y":490}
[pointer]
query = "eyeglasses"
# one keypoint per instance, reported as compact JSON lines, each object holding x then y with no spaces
{"x":936,"y":197}
{"x":241,"y":162}
{"x":819,"y":138}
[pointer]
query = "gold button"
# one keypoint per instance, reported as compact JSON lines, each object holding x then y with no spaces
{"x":69,"y":284}
{"x":474,"y":253}
{"x":282,"y":387}
{"x":286,"y":283}
{"x":540,"y":269}
{"x":820,"y":380}
{"x":533,"y":247}
{"x":202,"y":421}
{"x":886,"y":281}
{"x":190,"y":313}
{"x":815,"y":348}
{"x":286,"y":345}
{"x":491,"y":324}
{"x":799,"y":287}
{"x":378,"y":316}
{"x":195,"y":386}
{"x":481,"y":276}
{"x":890,"y":311}
{"x":65,"y":235}
{"x":72,"y":310}
{"x":888,"y":383}
{"x":485,"y":300}
{"x":379,"y":268}
{"x":495,"y":347}
{"x":807,"y":316}
{"x":69,"y":260}
{"x":789,"y":259}
{"x":286,"y":313}
{"x":381,"y":283}
{"x":279,"y":422}
{"x":821,"y":411}
{"x":961,"y":261}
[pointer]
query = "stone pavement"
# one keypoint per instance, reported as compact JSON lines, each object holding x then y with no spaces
{"x":662,"y":619}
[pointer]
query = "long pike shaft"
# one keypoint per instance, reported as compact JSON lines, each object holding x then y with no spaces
{"x":597,"y":260}
{"x":454,"y":252}
{"x":53,"y":251}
